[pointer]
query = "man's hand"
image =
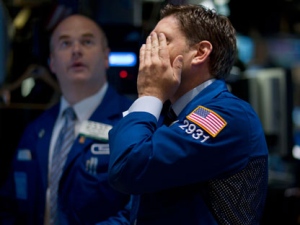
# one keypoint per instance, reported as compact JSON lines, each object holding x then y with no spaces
{"x":157,"y":76}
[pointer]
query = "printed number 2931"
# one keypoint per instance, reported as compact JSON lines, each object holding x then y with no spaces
{"x":193,"y":130}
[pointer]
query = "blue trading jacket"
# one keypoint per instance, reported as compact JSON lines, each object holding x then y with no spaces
{"x":84,"y":192}
{"x":210,"y":167}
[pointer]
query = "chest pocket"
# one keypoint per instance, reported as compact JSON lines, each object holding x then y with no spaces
{"x":98,"y":158}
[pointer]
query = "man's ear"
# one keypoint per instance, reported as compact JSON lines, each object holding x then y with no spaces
{"x":204,"y":49}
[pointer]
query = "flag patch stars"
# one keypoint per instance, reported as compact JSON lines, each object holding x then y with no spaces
{"x":208,"y":120}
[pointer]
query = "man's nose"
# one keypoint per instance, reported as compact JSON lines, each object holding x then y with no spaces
{"x":76,"y":48}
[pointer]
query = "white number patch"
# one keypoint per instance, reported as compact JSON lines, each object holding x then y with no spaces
{"x":191,"y":128}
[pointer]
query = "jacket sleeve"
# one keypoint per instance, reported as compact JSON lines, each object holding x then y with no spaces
{"x":147,"y":158}
{"x":122,"y":218}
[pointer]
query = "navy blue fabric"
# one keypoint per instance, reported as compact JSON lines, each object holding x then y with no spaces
{"x":169,"y":168}
{"x":85,"y":196}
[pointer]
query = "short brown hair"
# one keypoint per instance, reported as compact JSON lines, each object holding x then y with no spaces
{"x":199,"y":23}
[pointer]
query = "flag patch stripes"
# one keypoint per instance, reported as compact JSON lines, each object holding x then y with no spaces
{"x":207,"y":119}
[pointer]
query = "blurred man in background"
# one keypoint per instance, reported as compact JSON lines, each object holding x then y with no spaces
{"x":60,"y":177}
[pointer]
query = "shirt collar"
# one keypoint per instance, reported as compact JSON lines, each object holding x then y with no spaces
{"x":187,"y":97}
{"x":86,"y":107}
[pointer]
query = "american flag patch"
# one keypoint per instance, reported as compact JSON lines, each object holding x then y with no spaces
{"x":210,"y":121}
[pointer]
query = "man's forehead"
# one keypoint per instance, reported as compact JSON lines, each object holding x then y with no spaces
{"x":76,"y":25}
{"x":76,"y":32}
{"x":167,"y":25}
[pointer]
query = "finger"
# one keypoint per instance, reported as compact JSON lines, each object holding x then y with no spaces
{"x":154,"y":44}
{"x":163,"y":48}
{"x":142,"y":54}
{"x":148,"y":43}
{"x":147,"y":56}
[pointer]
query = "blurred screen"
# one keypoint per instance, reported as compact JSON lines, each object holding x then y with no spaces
{"x":122,"y":59}
{"x":245,"y":47}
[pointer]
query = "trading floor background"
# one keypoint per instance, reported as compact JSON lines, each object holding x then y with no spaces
{"x":267,"y":73}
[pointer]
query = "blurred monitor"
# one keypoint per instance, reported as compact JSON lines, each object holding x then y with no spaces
{"x":122,"y":59}
{"x":246,"y":48}
{"x":284,"y":51}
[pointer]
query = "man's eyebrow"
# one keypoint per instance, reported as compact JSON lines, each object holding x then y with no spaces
{"x":62,"y":37}
{"x":88,"y":35}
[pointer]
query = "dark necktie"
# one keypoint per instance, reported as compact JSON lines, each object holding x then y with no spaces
{"x":170,"y":115}
{"x":63,"y":144}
